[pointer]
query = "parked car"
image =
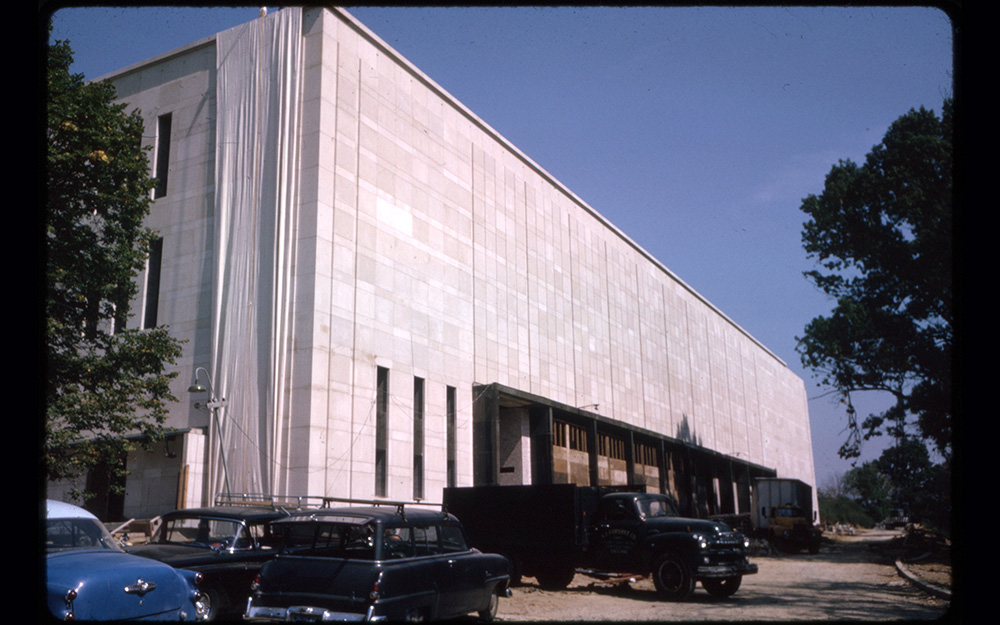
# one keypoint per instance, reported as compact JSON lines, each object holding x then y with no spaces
{"x":226,"y":544}
{"x":89,"y":577}
{"x":376,"y":563}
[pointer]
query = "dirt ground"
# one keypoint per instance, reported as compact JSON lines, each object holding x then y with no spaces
{"x":852,"y":578}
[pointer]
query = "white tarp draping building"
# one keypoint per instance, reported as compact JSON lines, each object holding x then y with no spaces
{"x":259,"y":73}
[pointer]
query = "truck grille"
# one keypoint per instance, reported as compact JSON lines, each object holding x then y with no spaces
{"x":728,"y":539}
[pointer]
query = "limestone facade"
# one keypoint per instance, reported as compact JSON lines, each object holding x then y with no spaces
{"x":431,"y":257}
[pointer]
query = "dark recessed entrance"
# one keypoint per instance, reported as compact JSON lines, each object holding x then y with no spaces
{"x":519,"y":438}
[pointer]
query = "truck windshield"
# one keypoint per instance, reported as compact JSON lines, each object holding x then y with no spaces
{"x":655,"y":506}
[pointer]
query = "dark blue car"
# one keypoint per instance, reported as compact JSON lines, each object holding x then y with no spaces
{"x":226,"y":544}
{"x":376,"y":564}
{"x":89,"y":577}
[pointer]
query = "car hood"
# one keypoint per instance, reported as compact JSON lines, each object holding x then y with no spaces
{"x":175,"y":555}
{"x":680,"y":524}
{"x":112,"y":585}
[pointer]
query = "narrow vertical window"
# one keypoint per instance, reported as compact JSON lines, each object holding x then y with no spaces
{"x":152,"y":295}
{"x":452,"y":479}
{"x":418,"y":438}
{"x":162,"y":154}
{"x":381,"y":431}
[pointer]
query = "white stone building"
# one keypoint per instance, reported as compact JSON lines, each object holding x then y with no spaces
{"x":385,"y":297}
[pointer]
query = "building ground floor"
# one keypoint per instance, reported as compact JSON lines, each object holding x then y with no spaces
{"x":517,"y":438}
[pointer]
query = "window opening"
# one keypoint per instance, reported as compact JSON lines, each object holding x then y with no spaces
{"x":567,"y":435}
{"x":418,"y":438}
{"x":645,"y":454}
{"x":163,"y":123}
{"x":611,"y":447}
{"x":452,"y":477}
{"x":153,"y":264}
{"x":381,"y":431}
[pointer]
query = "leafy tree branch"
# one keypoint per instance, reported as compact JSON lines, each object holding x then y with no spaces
{"x":106,"y":383}
{"x":881,"y":235}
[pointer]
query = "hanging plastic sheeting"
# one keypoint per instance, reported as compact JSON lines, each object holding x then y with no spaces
{"x":256,"y":194}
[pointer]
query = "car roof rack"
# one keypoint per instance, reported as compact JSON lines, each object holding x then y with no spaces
{"x":263,"y":500}
{"x":302,"y":502}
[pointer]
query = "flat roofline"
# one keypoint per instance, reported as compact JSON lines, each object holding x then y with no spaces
{"x":159,"y":58}
{"x":475,"y":119}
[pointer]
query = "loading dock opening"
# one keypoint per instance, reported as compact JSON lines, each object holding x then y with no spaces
{"x":520,"y":438}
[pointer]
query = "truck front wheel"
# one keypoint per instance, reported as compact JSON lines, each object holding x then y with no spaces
{"x":722,"y":587}
{"x":672,"y":578}
{"x":555,"y":578}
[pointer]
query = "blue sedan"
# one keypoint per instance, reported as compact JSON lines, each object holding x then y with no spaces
{"x":90,"y":578}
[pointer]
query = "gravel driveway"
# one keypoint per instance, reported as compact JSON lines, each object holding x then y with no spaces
{"x":847,"y":580}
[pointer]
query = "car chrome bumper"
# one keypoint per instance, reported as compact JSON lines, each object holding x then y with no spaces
{"x":726,"y":570}
{"x":303,"y":614}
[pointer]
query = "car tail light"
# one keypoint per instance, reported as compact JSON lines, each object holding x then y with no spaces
{"x":68,"y":600}
{"x":376,"y":593}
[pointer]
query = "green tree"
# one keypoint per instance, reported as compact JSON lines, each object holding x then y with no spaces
{"x":835,"y":508}
{"x":881,"y":234}
{"x":908,"y":467}
{"x":871,"y":489}
{"x":103,"y":381}
{"x":916,"y":483}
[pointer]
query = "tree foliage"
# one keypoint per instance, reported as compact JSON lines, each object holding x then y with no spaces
{"x":871,"y":489}
{"x":103,"y":381}
{"x":902,"y":477}
{"x":917,"y":484}
{"x":881,"y":234}
{"x":842,"y":509}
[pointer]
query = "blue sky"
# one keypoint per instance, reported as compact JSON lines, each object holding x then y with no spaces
{"x":696,"y":130}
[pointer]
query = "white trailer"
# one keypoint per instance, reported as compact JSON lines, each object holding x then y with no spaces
{"x":783,"y":513}
{"x":769,"y":492}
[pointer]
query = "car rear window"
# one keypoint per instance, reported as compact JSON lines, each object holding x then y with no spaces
{"x":77,"y":533}
{"x":369,"y":541}
{"x":329,"y":540}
